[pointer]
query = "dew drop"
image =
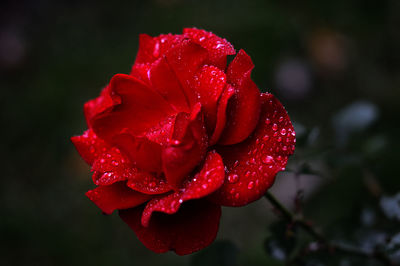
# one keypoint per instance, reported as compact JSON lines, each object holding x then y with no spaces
{"x":237,"y":195}
{"x":233,"y":178}
{"x":283,"y":131}
{"x":280,"y":119}
{"x":250,"y":185}
{"x":274,"y":127}
{"x":268,"y":159}
{"x":204,"y":186}
{"x":267,"y":121}
{"x":247,"y":174}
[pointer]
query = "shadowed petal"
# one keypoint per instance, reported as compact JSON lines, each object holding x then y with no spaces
{"x":194,"y":227}
{"x":116,"y":196}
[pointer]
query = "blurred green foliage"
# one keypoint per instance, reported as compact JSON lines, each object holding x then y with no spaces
{"x":318,"y":57}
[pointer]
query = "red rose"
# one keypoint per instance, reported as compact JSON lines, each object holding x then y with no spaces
{"x":180,"y":136}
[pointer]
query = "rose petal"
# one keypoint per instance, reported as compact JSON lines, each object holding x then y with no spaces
{"x":89,"y":146}
{"x":165,"y":82}
{"x":111,"y":166}
{"x":251,"y":166}
{"x":185,"y":59}
{"x":141,"y":71}
{"x":244,"y":107}
{"x":116,"y":196}
{"x":148,"y":184}
{"x":208,"y":180}
{"x":209,"y":84}
{"x":135,"y":114}
{"x":151,"y":48}
{"x":221,"y":114}
{"x":217,"y":47}
{"x":194,"y":227}
{"x":99,"y":105}
{"x":161,"y":133}
{"x":187,"y":148}
{"x":143,"y":153}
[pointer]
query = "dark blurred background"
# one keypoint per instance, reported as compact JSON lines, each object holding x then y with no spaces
{"x":335,"y":65}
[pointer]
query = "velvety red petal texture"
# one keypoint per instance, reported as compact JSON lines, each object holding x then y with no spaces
{"x":166,"y":83}
{"x":209,"y":77}
{"x":135,"y":114}
{"x":217,"y":47}
{"x":180,"y":136}
{"x":252,"y":165}
{"x":89,"y":146}
{"x":111,"y":166}
{"x":186,"y":59}
{"x":116,"y":197}
{"x":194,"y":227}
{"x":187,"y":149}
{"x":149,"y":184}
{"x":208,"y":180}
{"x":144,"y":154}
{"x":151,"y":48}
{"x":244,"y":107}
{"x":221,"y":113}
{"x":100,"y":104}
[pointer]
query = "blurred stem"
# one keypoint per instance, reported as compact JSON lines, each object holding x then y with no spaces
{"x":324,"y":243}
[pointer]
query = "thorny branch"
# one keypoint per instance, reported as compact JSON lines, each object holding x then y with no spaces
{"x":324,"y":243}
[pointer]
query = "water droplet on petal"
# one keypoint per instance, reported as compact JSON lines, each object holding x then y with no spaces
{"x":268,"y":159}
{"x":274,"y":127}
{"x":283,"y":131}
{"x":250,"y":185}
{"x":233,"y":178}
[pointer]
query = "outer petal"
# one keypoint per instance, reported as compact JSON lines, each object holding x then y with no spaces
{"x":111,"y":166}
{"x":193,"y":228}
{"x":151,"y":48}
{"x":99,"y":105}
{"x":187,"y":149}
{"x":149,"y":184}
{"x":89,"y":146}
{"x":244,"y":108}
{"x":217,"y":47}
{"x":116,"y":196}
{"x":251,"y":166}
{"x":140,"y":109}
{"x":166,"y":83}
{"x":209,"y":83}
{"x":141,"y":71}
{"x":208,"y":180}
{"x":185,"y":59}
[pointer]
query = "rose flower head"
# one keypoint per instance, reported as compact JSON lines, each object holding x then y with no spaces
{"x":180,"y":136}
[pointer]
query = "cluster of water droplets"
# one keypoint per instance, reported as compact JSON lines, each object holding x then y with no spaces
{"x":265,"y":156}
